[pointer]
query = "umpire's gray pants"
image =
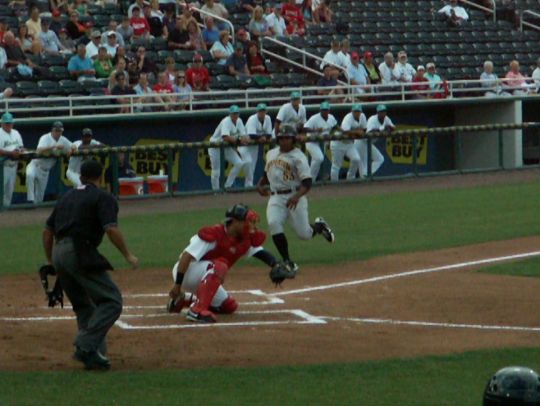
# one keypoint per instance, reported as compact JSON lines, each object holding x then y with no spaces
{"x":95,"y":298}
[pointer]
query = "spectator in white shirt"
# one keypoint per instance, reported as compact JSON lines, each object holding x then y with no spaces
{"x":92,"y":48}
{"x":276,"y":23}
{"x":453,"y":14}
{"x":357,"y":74}
{"x":404,"y":70}
{"x":536,"y":75}
{"x":3,"y":58}
{"x":388,"y":71}
{"x":332,"y":58}
{"x":345,"y":53}
{"x":112,"y":44}
{"x":49,"y":40}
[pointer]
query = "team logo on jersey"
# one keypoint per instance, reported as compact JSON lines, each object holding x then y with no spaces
{"x":287,"y":169}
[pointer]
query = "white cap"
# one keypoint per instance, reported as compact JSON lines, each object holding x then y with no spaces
{"x":421,"y":67}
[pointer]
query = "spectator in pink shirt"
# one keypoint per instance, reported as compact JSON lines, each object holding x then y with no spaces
{"x":516,"y":82}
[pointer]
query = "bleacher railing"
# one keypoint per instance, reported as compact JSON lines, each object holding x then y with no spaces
{"x":215,"y":17}
{"x":174,"y":149}
{"x":523,"y":23}
{"x":492,"y":10}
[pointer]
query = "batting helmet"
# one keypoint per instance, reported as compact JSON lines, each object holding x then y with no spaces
{"x":286,"y":130}
{"x":513,"y":386}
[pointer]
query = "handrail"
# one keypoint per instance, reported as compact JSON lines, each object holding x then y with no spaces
{"x":525,"y":23}
{"x":214,"y":16}
{"x":304,"y":54}
{"x":483,"y":8}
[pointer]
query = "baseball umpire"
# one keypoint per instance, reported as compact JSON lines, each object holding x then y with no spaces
{"x":78,"y":222}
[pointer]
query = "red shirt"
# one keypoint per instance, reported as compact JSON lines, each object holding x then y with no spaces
{"x":418,"y":84}
{"x":163,"y":89}
{"x":292,"y":13}
{"x":198,"y":78}
{"x":140,"y":26}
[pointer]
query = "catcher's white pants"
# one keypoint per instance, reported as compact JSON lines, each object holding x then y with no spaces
{"x":339,"y":151}
{"x":317,"y":158}
{"x":277,"y":213}
{"x":377,"y":159}
{"x":250,"y":156}
{"x":36,"y":182}
{"x":10,"y":177}
{"x":195,"y":273}
{"x":74,"y":177}
{"x":231,"y":156}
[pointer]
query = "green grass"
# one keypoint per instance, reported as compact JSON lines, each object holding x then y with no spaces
{"x":528,"y":267}
{"x":448,"y":380}
{"x":365,"y":227}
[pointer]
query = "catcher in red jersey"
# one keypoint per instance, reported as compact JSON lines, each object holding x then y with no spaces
{"x":201,"y":269}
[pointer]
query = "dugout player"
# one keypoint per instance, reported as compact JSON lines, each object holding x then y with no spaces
{"x":73,"y":172}
{"x":11,"y":146}
{"x":259,"y":129}
{"x":293,"y":113}
{"x":77,"y":224}
{"x":287,"y":179}
{"x":378,"y":122}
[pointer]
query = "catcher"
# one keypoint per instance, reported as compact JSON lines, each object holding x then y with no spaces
{"x":201,"y":269}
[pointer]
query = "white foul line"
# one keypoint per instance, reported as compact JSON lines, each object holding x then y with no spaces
{"x":410,"y":273}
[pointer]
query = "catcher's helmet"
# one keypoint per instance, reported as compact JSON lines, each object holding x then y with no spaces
{"x":513,"y":386}
{"x":286,"y":130}
{"x":238,"y":212}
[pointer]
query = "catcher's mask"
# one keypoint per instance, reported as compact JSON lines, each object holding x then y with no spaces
{"x":513,"y":386}
{"x":56,"y":294}
{"x":241,"y":212}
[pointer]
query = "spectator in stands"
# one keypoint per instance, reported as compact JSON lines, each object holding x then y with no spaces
{"x":122,"y":89}
{"x":237,"y":64}
{"x":249,"y":5}
{"x":56,"y":24}
{"x":67,"y":42}
{"x":145,"y":91}
{"x":187,"y":16}
{"x":112,"y":27}
{"x":133,"y":72}
{"x":157,"y":29}
{"x":387,"y":69}
{"x":404,"y":70}
{"x":59,"y":5}
{"x":179,"y":37}
{"x":16,"y":57}
{"x":420,"y":84}
{"x":28,"y":43}
{"x":436,"y":83}
{"x":140,"y":26}
{"x":125,"y":30}
{"x":3,"y":60}
{"x":137,"y":3}
{"x":79,"y":6}
{"x":536,"y":75}
{"x":322,"y":12}
{"x":183,"y":89}
{"x":169,"y":19}
{"x":121,"y":54}
{"x":144,"y":65}
{"x":156,"y":11}
{"x":222,"y":49}
{"x":333,"y":60}
{"x":345,"y":53}
{"x":112,"y":44}
{"x":34,"y":23}
{"x":218,"y":10}
{"x":210,"y":33}
{"x":372,"y":69}
{"x":74,"y":27}
{"x":120,"y":67}
{"x":164,"y":88}
{"x":328,"y":80}
{"x":170,"y":69}
{"x":195,"y":37}
{"x":102,"y":64}
{"x":255,"y":60}
{"x":293,"y":17}
{"x":49,"y":41}
{"x":276,"y":23}
{"x":197,"y":75}
{"x":306,"y":8}
{"x":258,"y":27}
{"x":516,"y":83}
{"x":3,"y":29}
{"x":357,"y":74}
{"x":80,"y":66}
{"x":243,"y":37}
{"x":453,"y":14}
{"x":92,"y":47}
{"x":490,"y":81}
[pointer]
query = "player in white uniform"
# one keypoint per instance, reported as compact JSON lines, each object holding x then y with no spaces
{"x":258,"y":128}
{"x":230,"y":130}
{"x":74,"y":168}
{"x":11,"y":145}
{"x":354,"y":123}
{"x":377,"y":122}
{"x":293,"y":113}
{"x":37,"y":171}
{"x":319,"y":124}
{"x":287,"y":179}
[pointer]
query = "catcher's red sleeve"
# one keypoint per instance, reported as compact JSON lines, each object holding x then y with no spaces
{"x":258,"y":238}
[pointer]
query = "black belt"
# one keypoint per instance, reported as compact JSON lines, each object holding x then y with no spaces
{"x":283,"y":192}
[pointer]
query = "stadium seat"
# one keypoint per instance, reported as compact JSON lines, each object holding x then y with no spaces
{"x":58,"y":72}
{"x":48,"y":87}
{"x":70,"y":87}
{"x":26,"y":88}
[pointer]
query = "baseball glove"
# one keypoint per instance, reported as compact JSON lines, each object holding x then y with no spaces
{"x":281,"y":271}
{"x":56,"y":294}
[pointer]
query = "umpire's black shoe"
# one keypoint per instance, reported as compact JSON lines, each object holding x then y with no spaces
{"x":92,"y":360}
{"x":321,"y":227}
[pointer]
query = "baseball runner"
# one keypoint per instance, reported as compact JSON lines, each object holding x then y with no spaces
{"x":353,"y":124}
{"x":74,"y":168}
{"x":258,"y":128}
{"x":11,"y":145}
{"x":287,"y":179}
{"x":377,"y":122}
{"x":293,"y":113}
{"x":201,"y":268}
{"x":230,"y":130}
{"x":37,"y":171}
{"x":319,"y":124}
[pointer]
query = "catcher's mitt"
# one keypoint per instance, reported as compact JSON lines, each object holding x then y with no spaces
{"x":281,"y":271}
{"x":56,"y":294}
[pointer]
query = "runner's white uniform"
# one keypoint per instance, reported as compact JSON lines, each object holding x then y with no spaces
{"x":285,"y":172}
{"x":73,"y":172}
{"x":348,"y":148}
{"x":197,"y":269}
{"x":377,"y":159}
{"x":37,"y":171}
{"x":10,"y":142}
{"x":255,"y":129}
{"x":317,"y":122}
{"x":288,"y":115}
{"x":227,"y":128}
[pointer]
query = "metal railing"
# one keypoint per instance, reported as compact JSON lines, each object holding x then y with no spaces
{"x":172,"y":149}
{"x":526,"y":23}
{"x":492,"y":10}
{"x":215,"y":17}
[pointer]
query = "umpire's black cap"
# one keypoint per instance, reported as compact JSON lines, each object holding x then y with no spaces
{"x":91,"y":169}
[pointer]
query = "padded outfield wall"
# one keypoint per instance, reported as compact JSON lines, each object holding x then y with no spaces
{"x":191,"y":168}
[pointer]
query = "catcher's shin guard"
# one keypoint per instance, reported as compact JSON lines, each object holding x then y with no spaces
{"x":206,"y":292}
{"x":228,"y":306}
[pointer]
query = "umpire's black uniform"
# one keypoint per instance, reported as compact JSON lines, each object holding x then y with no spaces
{"x":78,"y":222}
